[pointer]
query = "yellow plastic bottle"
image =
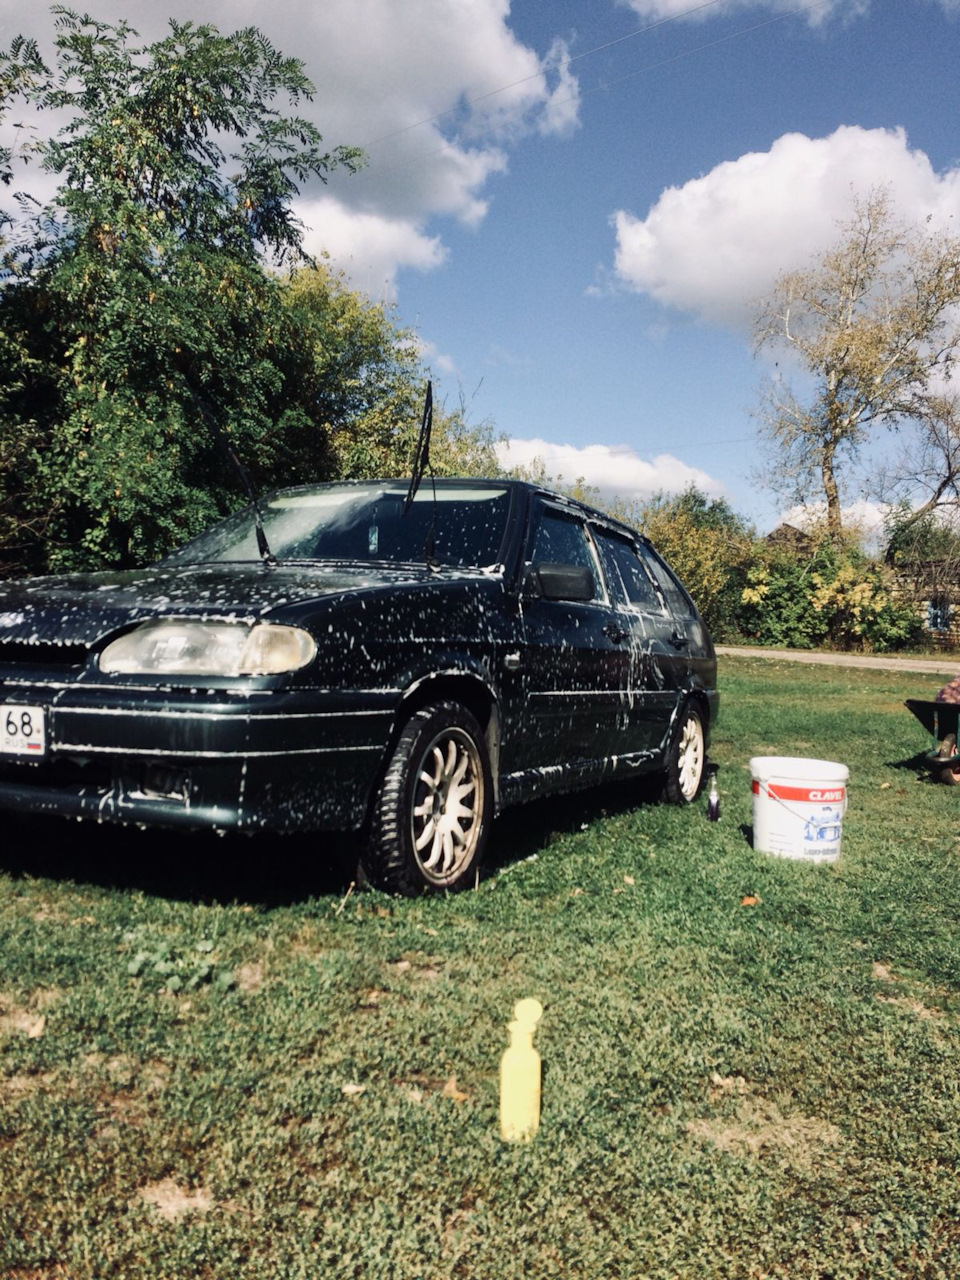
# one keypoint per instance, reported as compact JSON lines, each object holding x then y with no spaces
{"x":520,"y":1075}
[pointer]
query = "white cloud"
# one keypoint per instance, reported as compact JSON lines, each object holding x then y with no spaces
{"x":613,"y":469}
{"x":718,"y":242}
{"x":420,"y":85}
{"x":368,"y":247}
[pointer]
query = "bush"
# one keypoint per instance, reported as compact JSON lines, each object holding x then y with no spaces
{"x":833,"y":597}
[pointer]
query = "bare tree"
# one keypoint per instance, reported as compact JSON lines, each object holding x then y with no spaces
{"x":874,"y":325}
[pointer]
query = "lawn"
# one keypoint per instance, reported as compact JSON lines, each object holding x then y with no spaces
{"x":216,"y":1063}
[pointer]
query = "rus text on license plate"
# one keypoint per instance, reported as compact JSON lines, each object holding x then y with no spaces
{"x":22,"y":730}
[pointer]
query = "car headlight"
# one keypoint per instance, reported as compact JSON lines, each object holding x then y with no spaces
{"x":191,"y":648}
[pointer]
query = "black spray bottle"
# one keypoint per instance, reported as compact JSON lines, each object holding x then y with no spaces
{"x":713,"y":797}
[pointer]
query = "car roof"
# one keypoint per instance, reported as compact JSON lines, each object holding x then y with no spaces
{"x":491,"y":482}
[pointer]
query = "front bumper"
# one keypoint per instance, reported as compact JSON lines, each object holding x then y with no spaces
{"x":256,"y":759}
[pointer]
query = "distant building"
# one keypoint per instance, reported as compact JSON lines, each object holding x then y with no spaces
{"x":934,"y":587}
{"x":790,"y":538}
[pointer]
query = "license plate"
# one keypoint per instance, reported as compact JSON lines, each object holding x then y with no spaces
{"x":22,"y":730}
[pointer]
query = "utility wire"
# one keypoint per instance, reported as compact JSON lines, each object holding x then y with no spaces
{"x":609,"y":84}
{"x":702,"y":48}
{"x":492,"y":93}
{"x":652,"y":26}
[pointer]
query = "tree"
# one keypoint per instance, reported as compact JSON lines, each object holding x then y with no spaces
{"x":367,"y":383}
{"x":873,"y":325}
{"x":137,"y":305}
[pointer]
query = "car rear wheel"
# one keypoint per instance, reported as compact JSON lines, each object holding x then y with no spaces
{"x":686,"y":758}
{"x":432,"y":815}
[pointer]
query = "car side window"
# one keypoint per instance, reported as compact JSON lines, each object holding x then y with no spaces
{"x":676,"y":597}
{"x":629,"y":581}
{"x":561,"y":539}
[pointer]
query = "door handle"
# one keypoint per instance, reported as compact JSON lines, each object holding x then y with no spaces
{"x":679,"y":640}
{"x":613,"y":631}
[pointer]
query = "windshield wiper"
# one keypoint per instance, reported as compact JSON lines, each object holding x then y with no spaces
{"x":421,"y":457}
{"x":421,"y":460}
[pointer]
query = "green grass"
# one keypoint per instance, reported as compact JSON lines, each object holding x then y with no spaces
{"x":730,"y":1090}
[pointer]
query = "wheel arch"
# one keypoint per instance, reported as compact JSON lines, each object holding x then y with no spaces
{"x":470,"y":691}
{"x":698,"y":697}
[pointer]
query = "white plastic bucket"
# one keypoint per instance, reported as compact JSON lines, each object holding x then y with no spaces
{"x":798,"y":807}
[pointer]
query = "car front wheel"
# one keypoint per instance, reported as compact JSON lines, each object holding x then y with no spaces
{"x":432,"y":814}
{"x":686,"y":758}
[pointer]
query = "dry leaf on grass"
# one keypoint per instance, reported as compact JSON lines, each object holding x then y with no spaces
{"x":749,"y":901}
{"x":15,"y":1019}
{"x":172,"y":1201}
{"x":353,"y":1090}
{"x":249,"y":977}
{"x":450,"y":1090}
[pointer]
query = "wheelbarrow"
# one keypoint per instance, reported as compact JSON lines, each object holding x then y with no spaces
{"x":940,"y":719}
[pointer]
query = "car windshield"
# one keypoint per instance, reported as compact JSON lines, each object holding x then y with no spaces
{"x":460,"y":526}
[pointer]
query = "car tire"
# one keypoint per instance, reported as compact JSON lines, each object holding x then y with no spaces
{"x":432,"y":814}
{"x":685,"y":765}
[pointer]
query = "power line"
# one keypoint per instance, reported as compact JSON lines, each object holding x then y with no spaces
{"x":707,"y":4}
{"x":603,"y":88}
{"x":712,"y":44}
{"x":492,"y":93}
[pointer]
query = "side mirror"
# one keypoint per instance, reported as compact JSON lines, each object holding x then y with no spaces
{"x":565,"y":582}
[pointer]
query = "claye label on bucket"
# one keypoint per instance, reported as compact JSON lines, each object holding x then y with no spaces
{"x":805,"y":794}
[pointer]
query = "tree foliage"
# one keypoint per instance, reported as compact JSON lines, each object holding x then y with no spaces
{"x":873,"y":326}
{"x":138,"y":301}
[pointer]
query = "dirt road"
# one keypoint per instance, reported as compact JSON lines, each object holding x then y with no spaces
{"x":948,"y":665}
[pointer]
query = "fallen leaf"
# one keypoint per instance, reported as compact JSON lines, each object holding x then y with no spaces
{"x":749,"y":901}
{"x":352,"y":1090}
{"x":249,"y":977}
{"x":629,"y":880}
{"x":35,"y":1030}
{"x":172,"y":1201}
{"x":578,"y":893}
{"x":450,"y":1090}
{"x":885,"y":785}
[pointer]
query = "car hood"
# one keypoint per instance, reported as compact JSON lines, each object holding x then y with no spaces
{"x":82,"y":608}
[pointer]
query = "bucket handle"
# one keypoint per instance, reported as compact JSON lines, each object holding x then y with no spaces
{"x":761,"y":782}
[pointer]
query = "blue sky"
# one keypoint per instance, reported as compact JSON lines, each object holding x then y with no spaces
{"x":573,"y":203}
